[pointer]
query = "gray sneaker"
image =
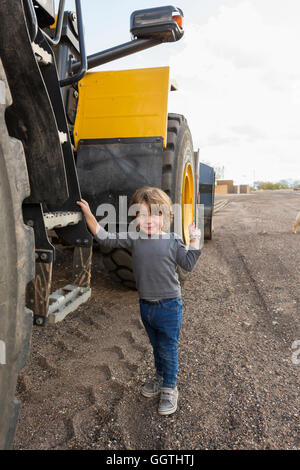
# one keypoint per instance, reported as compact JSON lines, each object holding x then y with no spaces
{"x":152,"y":387}
{"x":168,"y":401}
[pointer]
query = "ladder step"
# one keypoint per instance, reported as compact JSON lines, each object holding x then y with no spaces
{"x":42,"y":56}
{"x":54,"y":220}
{"x":66,"y":300}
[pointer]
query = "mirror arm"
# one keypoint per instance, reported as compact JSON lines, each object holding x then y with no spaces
{"x":117,"y":52}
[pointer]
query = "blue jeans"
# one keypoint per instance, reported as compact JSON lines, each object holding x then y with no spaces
{"x":162,"y":321}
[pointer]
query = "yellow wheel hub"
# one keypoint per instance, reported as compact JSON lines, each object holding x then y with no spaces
{"x":187,"y":201}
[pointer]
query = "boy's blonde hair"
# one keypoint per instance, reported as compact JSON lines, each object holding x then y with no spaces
{"x":155,"y":196}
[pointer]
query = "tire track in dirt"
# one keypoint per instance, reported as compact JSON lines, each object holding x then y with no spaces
{"x":95,"y":364}
{"x":272,"y":282}
{"x":252,"y":269}
{"x":229,"y":381}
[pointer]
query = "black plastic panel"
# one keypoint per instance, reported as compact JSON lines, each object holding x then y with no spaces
{"x":109,"y":168}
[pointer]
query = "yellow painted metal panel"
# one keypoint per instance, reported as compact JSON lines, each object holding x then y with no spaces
{"x":127,"y":103}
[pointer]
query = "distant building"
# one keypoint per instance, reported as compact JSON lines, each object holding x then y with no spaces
{"x":227,"y":187}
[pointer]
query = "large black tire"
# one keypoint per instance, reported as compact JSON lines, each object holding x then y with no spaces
{"x":119,"y":266}
{"x":17,"y":269}
{"x":209,"y":228}
{"x":178,"y":153}
{"x":207,"y":196}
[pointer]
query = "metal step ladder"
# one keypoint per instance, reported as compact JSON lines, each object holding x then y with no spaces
{"x":53,"y":307}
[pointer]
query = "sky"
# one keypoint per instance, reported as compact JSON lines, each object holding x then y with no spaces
{"x":238,"y":72}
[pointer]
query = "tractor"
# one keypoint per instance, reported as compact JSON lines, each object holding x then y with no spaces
{"x":67,"y":133}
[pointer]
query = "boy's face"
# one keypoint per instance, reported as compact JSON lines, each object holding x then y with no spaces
{"x":150,"y":224}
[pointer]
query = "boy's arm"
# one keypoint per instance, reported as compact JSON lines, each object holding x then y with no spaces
{"x":187,"y":259}
{"x":90,"y":219}
{"x":110,"y":240}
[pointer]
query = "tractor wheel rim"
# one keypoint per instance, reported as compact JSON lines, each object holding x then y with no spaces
{"x":187,"y":200}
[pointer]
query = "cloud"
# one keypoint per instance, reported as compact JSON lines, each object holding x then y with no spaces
{"x":240,"y":87}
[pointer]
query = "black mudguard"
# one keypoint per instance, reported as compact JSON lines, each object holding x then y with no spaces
{"x":109,"y":168}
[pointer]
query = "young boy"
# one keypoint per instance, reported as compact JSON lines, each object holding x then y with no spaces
{"x":155,"y":255}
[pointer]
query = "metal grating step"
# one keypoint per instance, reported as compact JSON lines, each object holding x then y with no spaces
{"x":42,"y":56}
{"x":54,"y":220}
{"x":66,"y":300}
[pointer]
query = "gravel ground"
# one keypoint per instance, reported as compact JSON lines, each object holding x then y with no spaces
{"x":238,"y":382}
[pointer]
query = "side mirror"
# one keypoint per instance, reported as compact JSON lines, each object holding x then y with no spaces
{"x":163,"y":23}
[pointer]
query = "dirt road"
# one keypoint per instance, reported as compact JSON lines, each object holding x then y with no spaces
{"x":238,"y":378}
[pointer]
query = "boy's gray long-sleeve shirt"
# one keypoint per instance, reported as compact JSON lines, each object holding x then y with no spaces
{"x":154,"y":261}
